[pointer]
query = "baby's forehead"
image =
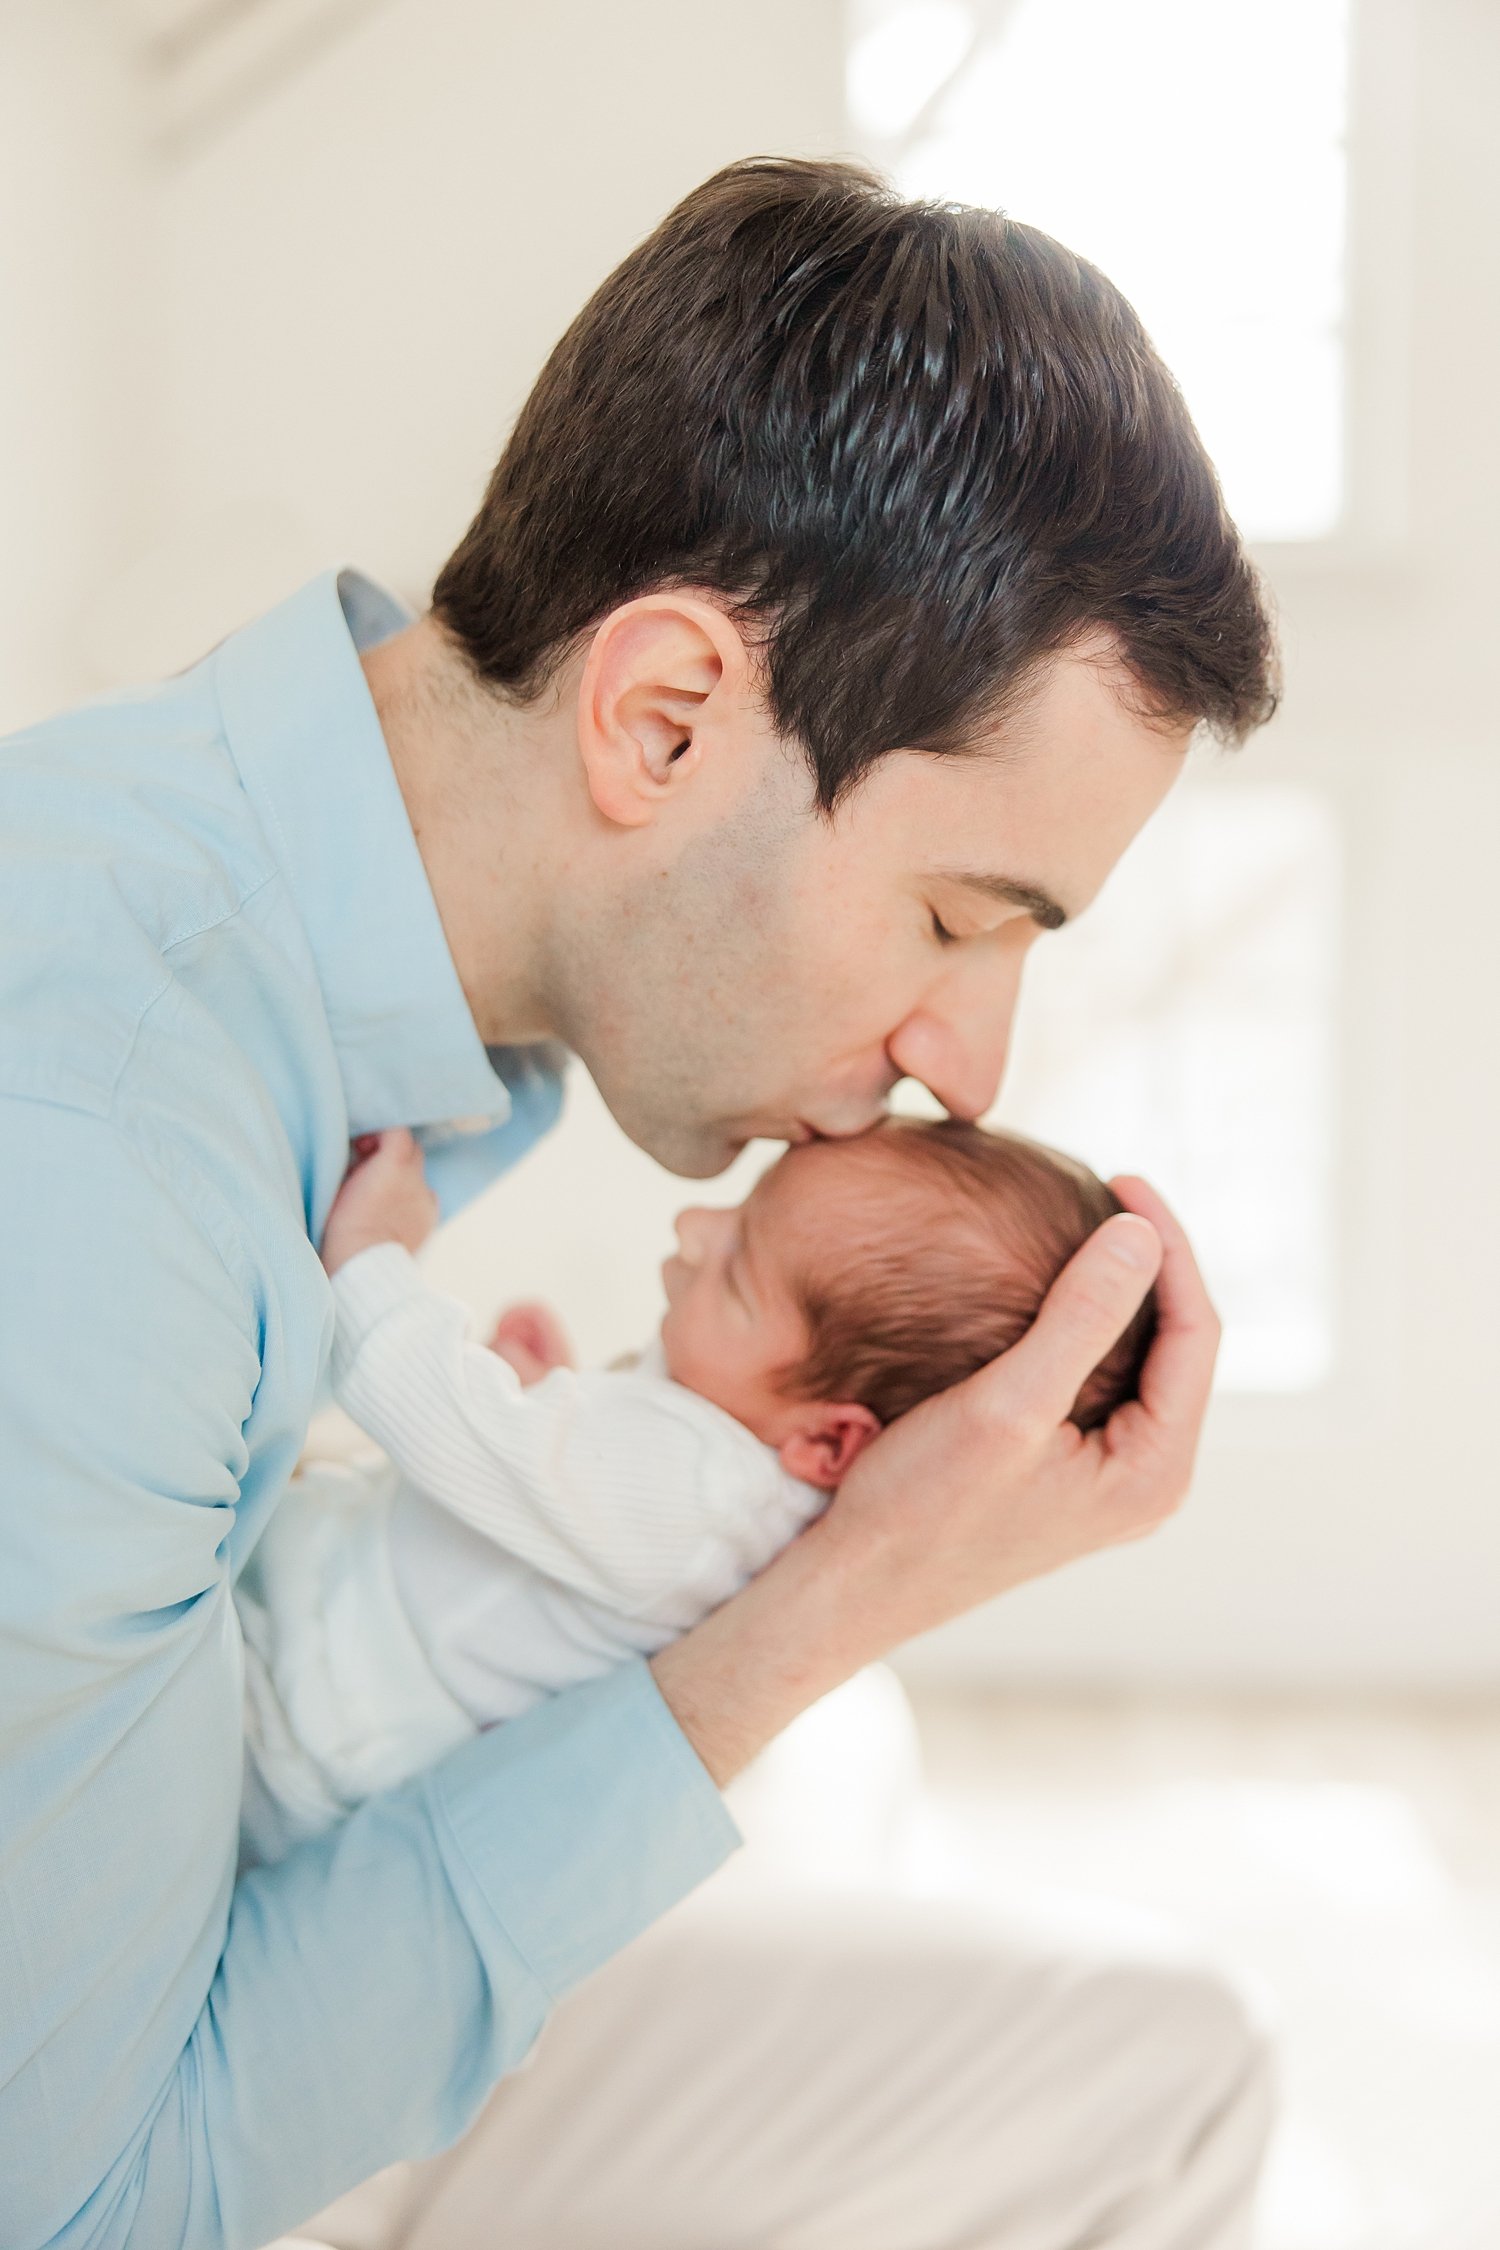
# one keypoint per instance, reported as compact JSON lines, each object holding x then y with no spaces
{"x":888,"y":1175}
{"x":813,"y":1174}
{"x":953,"y":1179}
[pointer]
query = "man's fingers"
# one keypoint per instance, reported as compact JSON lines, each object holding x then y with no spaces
{"x":1087,"y":1308}
{"x":1153,"y":1440}
{"x":1179,"y":1370}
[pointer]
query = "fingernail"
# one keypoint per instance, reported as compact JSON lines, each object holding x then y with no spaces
{"x":1132,"y":1241}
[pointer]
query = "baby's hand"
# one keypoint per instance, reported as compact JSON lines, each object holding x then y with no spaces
{"x":532,"y":1340}
{"x":384,"y":1199}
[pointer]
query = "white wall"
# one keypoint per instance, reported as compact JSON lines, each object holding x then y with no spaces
{"x":357,"y":279}
{"x":75,"y":278}
{"x":365,"y":273}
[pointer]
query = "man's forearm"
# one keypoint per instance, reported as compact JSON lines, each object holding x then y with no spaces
{"x":807,"y":1623}
{"x":373,"y":1985}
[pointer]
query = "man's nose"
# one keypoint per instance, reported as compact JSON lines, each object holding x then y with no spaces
{"x":957,"y":1044}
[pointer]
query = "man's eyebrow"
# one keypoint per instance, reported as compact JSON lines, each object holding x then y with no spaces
{"x":1042,"y":908}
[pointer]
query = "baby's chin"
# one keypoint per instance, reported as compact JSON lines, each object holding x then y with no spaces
{"x":686,"y":1366}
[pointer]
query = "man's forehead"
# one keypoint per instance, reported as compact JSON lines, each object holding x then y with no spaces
{"x":1037,"y":825}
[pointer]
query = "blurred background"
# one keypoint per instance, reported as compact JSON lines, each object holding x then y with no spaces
{"x":275,"y":276}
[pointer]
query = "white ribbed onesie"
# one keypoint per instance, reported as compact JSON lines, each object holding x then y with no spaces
{"x":515,"y":1540}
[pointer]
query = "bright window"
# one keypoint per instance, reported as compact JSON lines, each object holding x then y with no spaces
{"x":1194,"y":149}
{"x":1185,"y":1028}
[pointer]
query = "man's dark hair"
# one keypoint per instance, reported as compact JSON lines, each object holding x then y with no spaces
{"x":916,"y":447}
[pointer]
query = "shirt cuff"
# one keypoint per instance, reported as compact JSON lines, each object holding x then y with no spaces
{"x":574,"y":1827}
{"x":368,"y":1286}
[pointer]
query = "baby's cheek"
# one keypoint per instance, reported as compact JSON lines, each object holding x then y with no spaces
{"x":676,"y":1344}
{"x":689,"y":1343}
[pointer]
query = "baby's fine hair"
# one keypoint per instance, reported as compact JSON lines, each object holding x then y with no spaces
{"x":956,"y":1255}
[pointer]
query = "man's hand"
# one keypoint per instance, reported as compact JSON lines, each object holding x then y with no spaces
{"x":385,"y":1198}
{"x":990,"y":1484}
{"x":970,"y":1494}
{"x":531,"y":1339}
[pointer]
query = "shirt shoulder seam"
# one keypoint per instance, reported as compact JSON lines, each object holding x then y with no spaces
{"x":212,"y":922}
{"x":154,"y":1000}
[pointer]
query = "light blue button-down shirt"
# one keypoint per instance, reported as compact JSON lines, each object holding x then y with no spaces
{"x":219,"y":958}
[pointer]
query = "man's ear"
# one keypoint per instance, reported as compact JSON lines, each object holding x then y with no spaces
{"x":831,"y":1438}
{"x":654,"y":668}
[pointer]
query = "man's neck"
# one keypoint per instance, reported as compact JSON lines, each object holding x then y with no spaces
{"x":458,"y":755}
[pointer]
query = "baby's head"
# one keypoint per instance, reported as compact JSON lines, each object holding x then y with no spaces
{"x":861,"y":1276}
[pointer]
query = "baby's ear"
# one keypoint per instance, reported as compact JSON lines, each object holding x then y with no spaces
{"x":825,"y":1448}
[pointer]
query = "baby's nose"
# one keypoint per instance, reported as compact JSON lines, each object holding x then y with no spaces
{"x":688,"y":1228}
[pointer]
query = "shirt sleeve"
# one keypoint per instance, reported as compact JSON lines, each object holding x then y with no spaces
{"x":461,"y":1165}
{"x":601,"y":1482}
{"x":182,"y":2059}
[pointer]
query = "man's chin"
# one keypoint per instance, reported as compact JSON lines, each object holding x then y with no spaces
{"x":697,"y":1153}
{"x":700,"y":1148}
{"x":702,"y":1153}
{"x":703,"y":1164}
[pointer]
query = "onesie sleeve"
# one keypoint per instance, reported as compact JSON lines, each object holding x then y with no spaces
{"x":606,"y":1483}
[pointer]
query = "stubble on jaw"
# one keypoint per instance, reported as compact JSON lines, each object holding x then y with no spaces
{"x":677,"y":993}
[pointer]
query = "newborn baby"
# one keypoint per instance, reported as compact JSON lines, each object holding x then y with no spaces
{"x":532,"y":1526}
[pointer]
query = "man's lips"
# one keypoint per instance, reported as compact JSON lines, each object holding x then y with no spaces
{"x":799,"y":1130}
{"x":803,"y":1131}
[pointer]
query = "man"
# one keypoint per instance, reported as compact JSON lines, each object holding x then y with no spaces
{"x":841,"y":607}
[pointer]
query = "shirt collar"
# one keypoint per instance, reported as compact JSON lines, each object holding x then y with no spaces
{"x":302,"y":729}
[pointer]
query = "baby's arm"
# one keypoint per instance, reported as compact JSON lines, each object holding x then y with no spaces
{"x":384,"y":1198}
{"x":532,"y":1340}
{"x":450,"y":1416}
{"x":600,"y":1488}
{"x":604,"y":1485}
